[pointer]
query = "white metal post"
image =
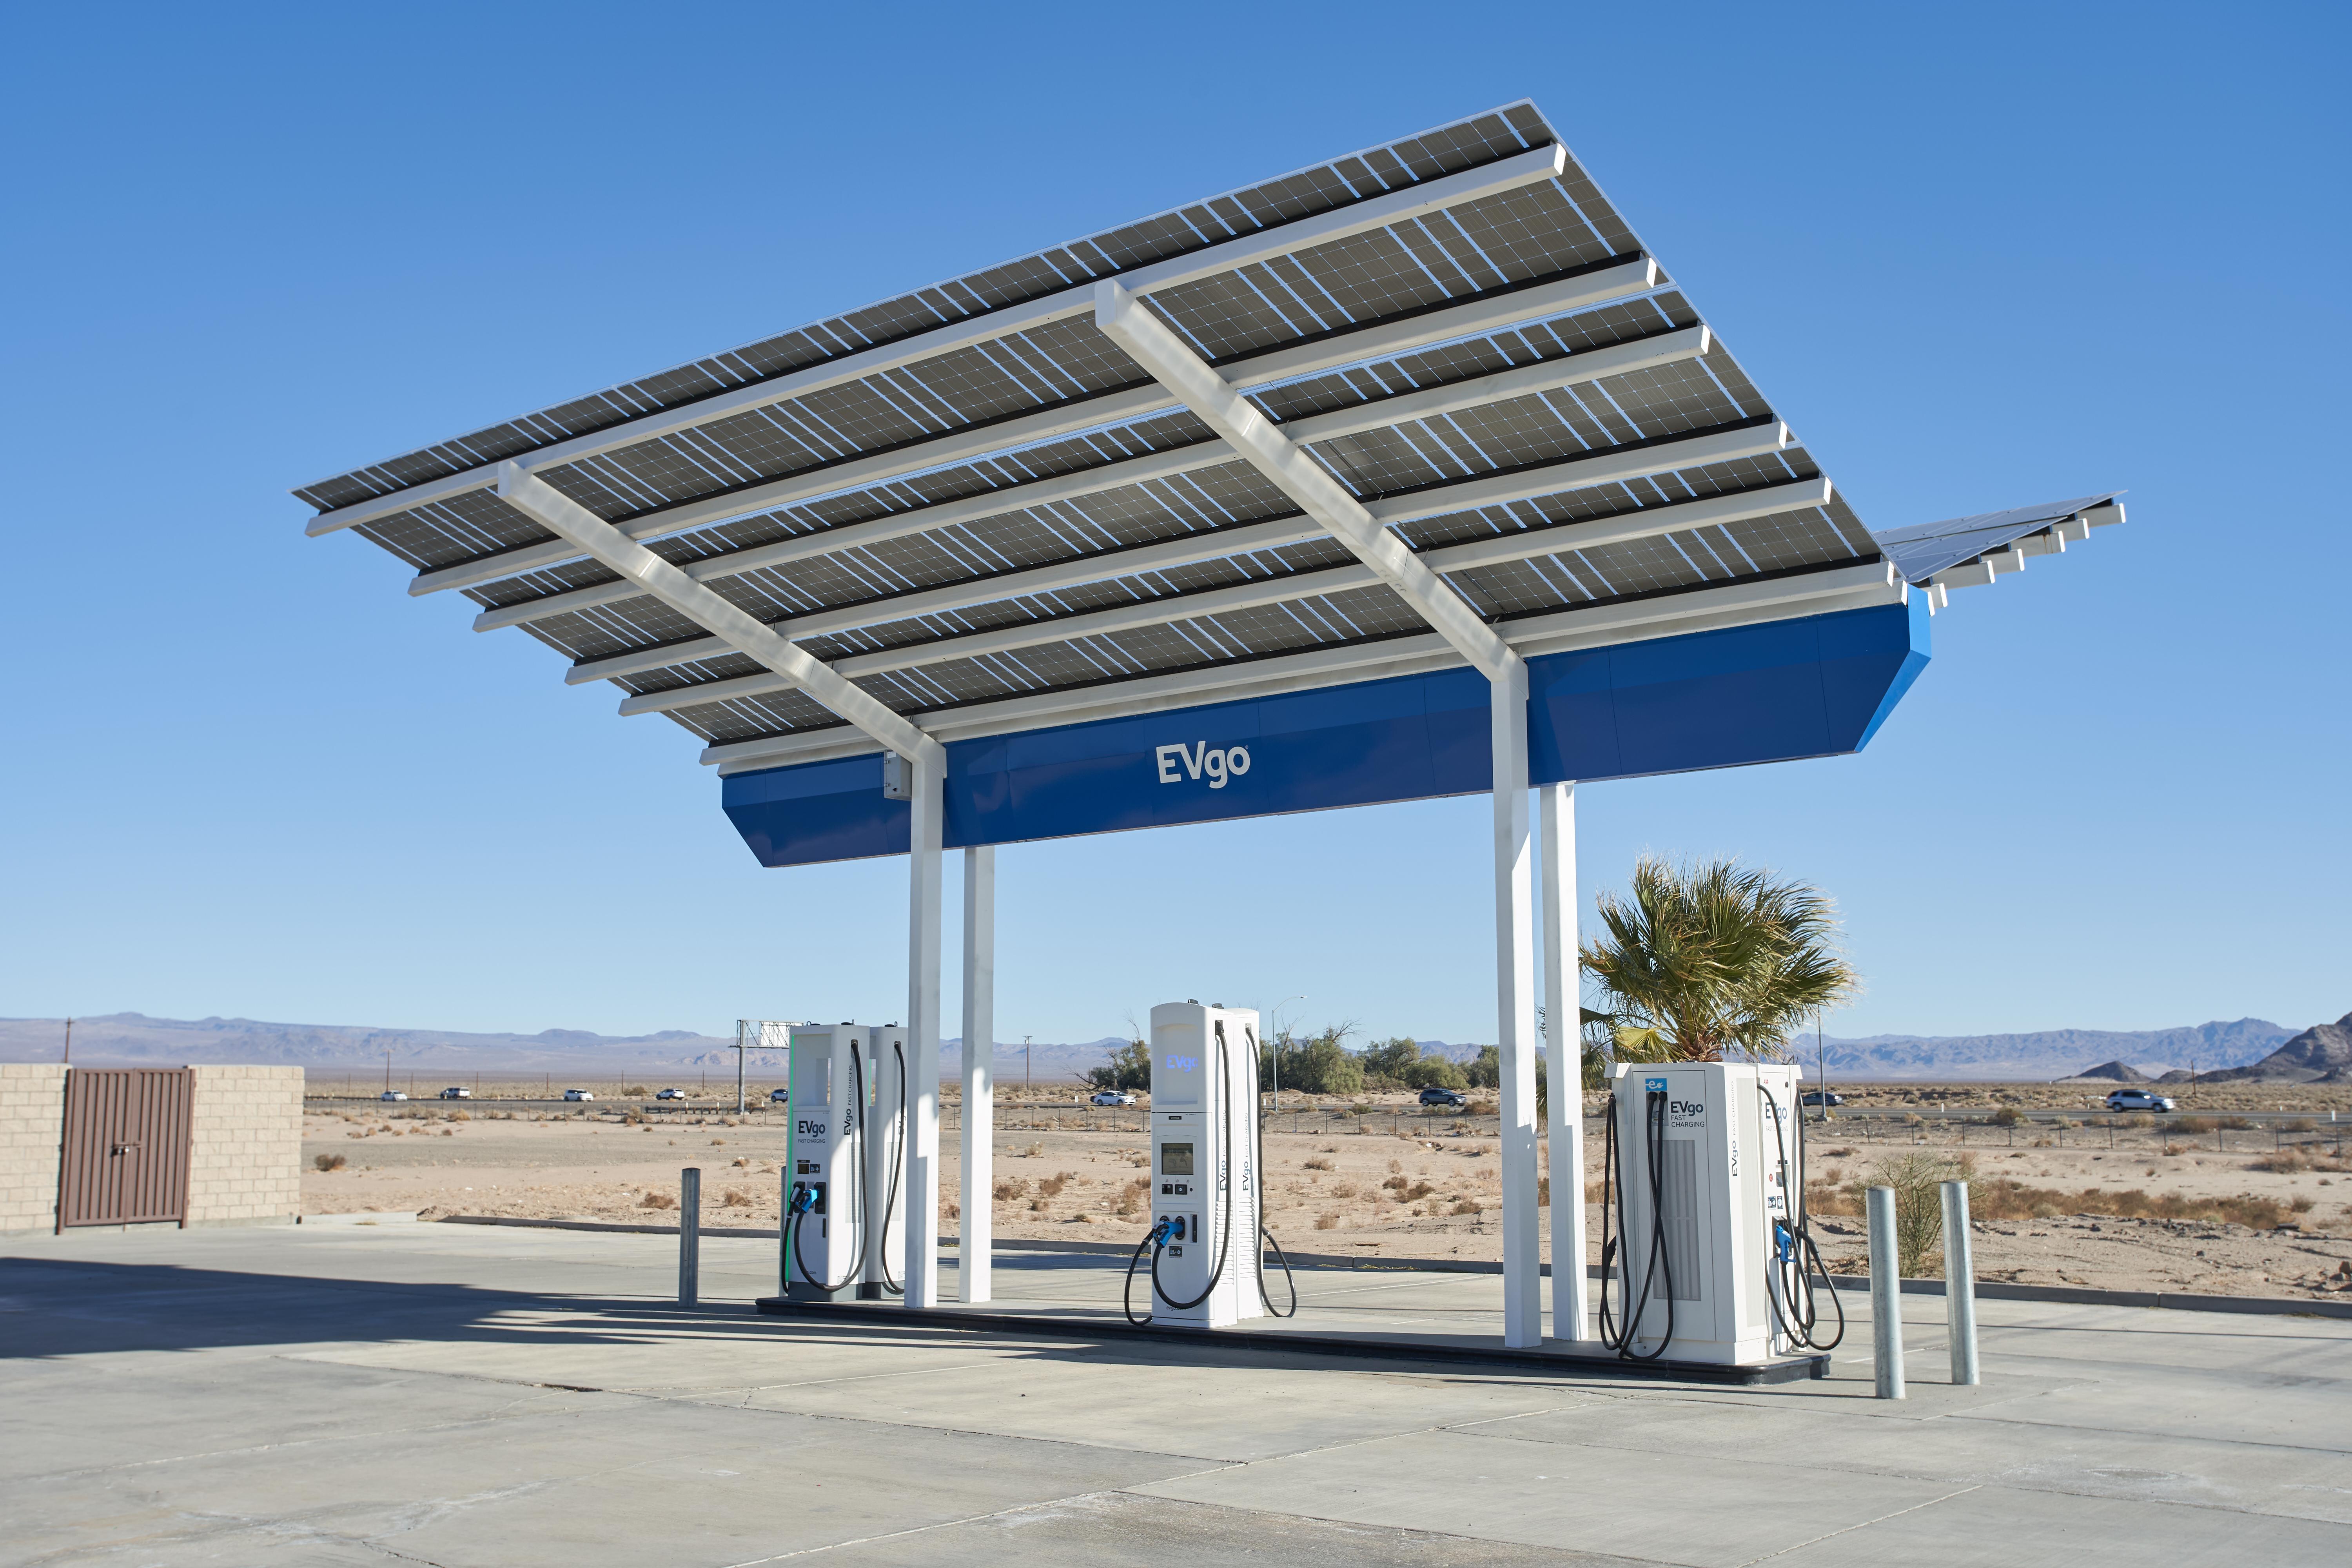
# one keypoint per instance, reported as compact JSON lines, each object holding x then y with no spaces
{"x":1516,"y":1009}
{"x":924,"y":895}
{"x":1571,"y":1292}
{"x":976,"y":1226}
{"x":1959,"y":1284}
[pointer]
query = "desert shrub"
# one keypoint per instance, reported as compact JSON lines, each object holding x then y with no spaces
{"x":2300,"y":1124}
{"x":1418,"y":1190}
{"x":2141,"y":1120}
{"x":1395,"y":1183}
{"x":658,"y":1201}
{"x":2299,"y":1204}
{"x":1914,"y":1120}
{"x":328,"y":1161}
{"x":1917,"y":1178}
{"x":1131,"y":1196}
{"x":1319,"y":1164}
{"x":1051,"y":1186}
{"x":1466,"y":1206}
{"x":2008,"y":1116}
{"x":2174,"y":1148}
{"x":1327,"y":1221}
{"x":2286,"y":1163}
{"x":718,"y":1142}
{"x":736,"y":1198}
{"x":1010,"y":1187}
{"x":1034,"y":1152}
{"x":468,"y":1115}
{"x":637,"y":1091}
{"x":2237,"y":1124}
{"x":2000,"y":1197}
{"x":2195,"y":1125}
{"x":1344,"y":1190}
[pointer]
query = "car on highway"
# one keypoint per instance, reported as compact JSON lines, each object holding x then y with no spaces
{"x":577,"y":1094}
{"x":1446,"y":1097}
{"x":2138,"y":1100}
{"x":780,"y":1096}
{"x":1114,"y":1097}
{"x":391,"y":1094}
{"x":671,"y":1094}
{"x":454,"y":1092}
{"x":1823,"y":1096}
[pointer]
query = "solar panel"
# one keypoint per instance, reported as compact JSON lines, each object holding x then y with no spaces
{"x":972,"y":503}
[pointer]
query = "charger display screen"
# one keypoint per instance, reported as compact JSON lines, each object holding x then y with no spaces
{"x":1176,"y":1159}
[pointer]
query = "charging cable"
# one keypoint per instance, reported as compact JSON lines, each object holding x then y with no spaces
{"x":1619,"y":1337}
{"x":1258,"y":1193}
{"x":897,"y":1165}
{"x":1795,"y":1264}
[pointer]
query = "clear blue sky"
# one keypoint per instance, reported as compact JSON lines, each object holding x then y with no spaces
{"x":1978,"y":257}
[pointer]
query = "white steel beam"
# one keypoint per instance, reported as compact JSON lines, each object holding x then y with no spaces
{"x":1653,"y":524}
{"x":594,"y":536}
{"x":1524,"y":484}
{"x":1127,"y":322}
{"x":976,"y":1228}
{"x":926,"y":875}
{"x":1571,"y":1292}
{"x":1700,"y":609}
{"x":1516,"y":1009}
{"x":1382,"y":342}
{"x":1527,"y":380}
{"x":1378,"y":212}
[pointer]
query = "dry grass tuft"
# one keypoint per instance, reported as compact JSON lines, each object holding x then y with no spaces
{"x":328,"y":1161}
{"x":736,"y":1198}
{"x":658,"y":1201}
{"x":1327,"y":1221}
{"x":1010,"y":1187}
{"x":1319,"y":1164}
{"x":1052,"y":1186}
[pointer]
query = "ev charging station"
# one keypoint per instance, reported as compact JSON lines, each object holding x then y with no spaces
{"x":1205,"y":1248}
{"x":1707,"y":1255}
{"x":1412,"y":474}
{"x":846,"y":1166}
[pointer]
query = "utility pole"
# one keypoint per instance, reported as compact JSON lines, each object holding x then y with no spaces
{"x":1024,"y":1067}
{"x":387,"y":1070}
{"x":69,"y":1042}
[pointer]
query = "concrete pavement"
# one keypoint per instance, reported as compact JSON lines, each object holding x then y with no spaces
{"x":476,"y":1395}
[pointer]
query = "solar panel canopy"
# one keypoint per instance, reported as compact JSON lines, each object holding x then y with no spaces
{"x":970,"y":502}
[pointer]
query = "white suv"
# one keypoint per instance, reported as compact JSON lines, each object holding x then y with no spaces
{"x":2138,"y":1099}
{"x":577,"y":1094}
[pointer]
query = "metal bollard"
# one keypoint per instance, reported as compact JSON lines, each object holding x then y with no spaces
{"x":689,"y":1236}
{"x":1959,"y":1285}
{"x":1885,"y":1295}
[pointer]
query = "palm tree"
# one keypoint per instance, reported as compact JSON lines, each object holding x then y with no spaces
{"x":1714,"y":957}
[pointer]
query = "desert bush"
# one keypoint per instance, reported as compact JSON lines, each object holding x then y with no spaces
{"x":1466,"y":1206}
{"x":2008,"y":1116}
{"x":1344,"y":1190}
{"x":328,"y":1161}
{"x":2139,"y":1120}
{"x":2237,"y":1124}
{"x":1131,"y":1196}
{"x":2300,"y":1124}
{"x":2299,"y":1204}
{"x":468,"y":1115}
{"x":1052,"y":1186}
{"x":2174,"y":1148}
{"x":736,"y":1198}
{"x":658,"y":1201}
{"x":2194,"y":1125}
{"x":1034,"y":1152}
{"x":2002,"y":1197}
{"x":1319,"y":1164}
{"x":1327,"y":1221}
{"x":1010,"y":1187}
{"x":1917,"y":1178}
{"x":1395,"y":1183}
{"x":2286,"y":1163}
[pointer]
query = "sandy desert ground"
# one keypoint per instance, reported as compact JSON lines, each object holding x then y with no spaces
{"x":2153,"y":1207}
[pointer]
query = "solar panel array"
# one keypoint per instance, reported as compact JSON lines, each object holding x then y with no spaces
{"x":986,"y":515}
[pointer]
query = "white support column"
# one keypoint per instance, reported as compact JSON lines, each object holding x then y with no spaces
{"x":1571,"y":1292}
{"x":1515,"y":1011}
{"x":924,"y":893}
{"x":976,"y":1226}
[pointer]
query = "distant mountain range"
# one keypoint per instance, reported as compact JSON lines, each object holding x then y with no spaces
{"x":133,"y":1038}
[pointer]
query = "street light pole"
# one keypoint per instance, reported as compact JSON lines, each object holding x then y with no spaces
{"x":1024,"y":1067}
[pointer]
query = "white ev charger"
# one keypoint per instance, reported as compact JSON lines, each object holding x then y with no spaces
{"x":1208,"y":1231}
{"x":1702,"y":1184}
{"x":847,"y":1170}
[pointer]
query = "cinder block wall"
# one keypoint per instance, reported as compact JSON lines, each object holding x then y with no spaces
{"x":246,"y":1163}
{"x":32,"y":1122}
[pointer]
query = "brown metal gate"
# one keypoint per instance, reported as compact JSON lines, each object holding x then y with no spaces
{"x":126,"y":1146}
